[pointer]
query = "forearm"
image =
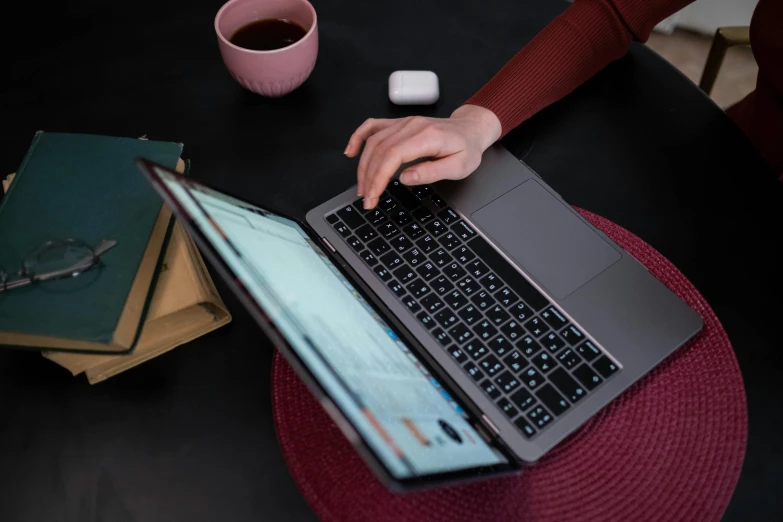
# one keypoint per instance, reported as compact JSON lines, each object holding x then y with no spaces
{"x":572,"y":48}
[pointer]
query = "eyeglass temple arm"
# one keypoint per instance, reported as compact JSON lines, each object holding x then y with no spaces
{"x":104,"y":246}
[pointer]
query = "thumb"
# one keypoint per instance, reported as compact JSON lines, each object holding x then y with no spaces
{"x":450,"y":167}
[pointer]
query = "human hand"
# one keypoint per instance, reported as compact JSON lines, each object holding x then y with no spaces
{"x":455,"y":145}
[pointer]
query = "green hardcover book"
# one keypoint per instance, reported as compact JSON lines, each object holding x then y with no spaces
{"x":85,"y":187}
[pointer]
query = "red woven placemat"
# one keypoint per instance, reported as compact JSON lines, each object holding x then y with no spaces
{"x":669,"y":448}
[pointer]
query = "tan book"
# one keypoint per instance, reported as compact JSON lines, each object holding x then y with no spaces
{"x":185,"y":305}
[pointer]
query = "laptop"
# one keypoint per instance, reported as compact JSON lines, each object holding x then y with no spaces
{"x":457,"y":331}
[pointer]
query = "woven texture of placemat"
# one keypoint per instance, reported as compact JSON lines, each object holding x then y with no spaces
{"x":669,"y":448}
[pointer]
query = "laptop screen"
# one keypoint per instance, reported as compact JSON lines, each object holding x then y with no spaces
{"x":401,"y":412}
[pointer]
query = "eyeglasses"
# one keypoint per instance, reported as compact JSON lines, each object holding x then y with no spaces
{"x":55,"y":260}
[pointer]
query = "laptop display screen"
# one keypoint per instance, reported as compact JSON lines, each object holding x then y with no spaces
{"x":411,"y":423}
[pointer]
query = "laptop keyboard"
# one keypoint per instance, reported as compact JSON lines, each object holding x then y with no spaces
{"x":510,"y":339}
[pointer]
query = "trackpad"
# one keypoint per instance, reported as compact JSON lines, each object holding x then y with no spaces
{"x":545,"y":237}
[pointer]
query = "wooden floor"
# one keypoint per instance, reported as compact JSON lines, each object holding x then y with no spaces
{"x":688,"y":51}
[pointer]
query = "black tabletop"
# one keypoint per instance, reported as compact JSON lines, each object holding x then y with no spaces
{"x":189,"y":436}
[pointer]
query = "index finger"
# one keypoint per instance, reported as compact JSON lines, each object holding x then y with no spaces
{"x":364,"y":131}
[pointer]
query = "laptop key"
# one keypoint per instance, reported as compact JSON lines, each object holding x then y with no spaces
{"x":387,"y":203}
{"x":490,"y":389}
{"x":427,"y":244}
{"x":485,"y":330}
{"x":529,"y":346}
{"x":400,"y":217}
{"x":359,"y":206}
{"x":403,"y":195}
{"x":422,"y":215}
{"x":500,"y":345}
{"x":463,"y":230}
{"x":350,"y":217}
{"x":567,"y":385}
{"x":332,"y":219}
{"x":508,"y":273}
{"x":382,"y":272}
{"x":463,"y":254}
{"x":508,"y":408}
{"x":426,"y":319}
{"x":525,"y":427}
{"x":572,"y":335}
{"x":470,"y":314}
{"x":388,"y":230}
{"x":491,"y":282}
{"x":520,"y":311}
{"x":396,"y":287}
{"x":458,"y":354}
{"x":477,"y":268}
{"x":506,"y":297}
{"x":375,"y":217}
{"x":378,"y":247}
{"x":552,"y":399}
{"x":569,"y":358}
{"x":468,"y":286}
{"x":441,"y":258}
{"x":454,"y":271}
{"x":427,"y":270}
{"x":354,"y":242}
{"x":342,"y":229}
{"x":369,"y":258}
{"x":513,"y":330}
{"x":446,"y":318}
{"x":392,"y":260}
{"x":414,"y":230}
{"x":436,"y":227}
{"x":587,"y":377}
{"x":411,"y":303}
{"x":537,"y":327}
{"x":544,"y":362}
{"x":366,"y":233}
{"x":605,"y":366}
{"x":432,"y":304}
{"x":418,"y":288}
{"x":532,"y":378}
{"x":497,"y":315}
{"x":515,"y":361}
{"x":441,"y":285}
{"x":405,"y":274}
{"x":554,"y":318}
{"x":414,"y":257}
{"x":455,"y":299}
{"x":437,"y":201}
{"x":540,"y":417}
{"x":483,"y":300}
{"x":491,"y":365}
{"x":401,"y":243}
{"x":441,"y":336}
{"x":473,"y":370}
{"x":461,"y":334}
{"x":588,"y":351}
{"x":507,"y":382}
{"x":475,"y":349}
{"x":553,"y":343}
{"x":448,"y":216}
{"x":449,"y":240}
{"x":522,"y":399}
{"x":422,"y":191}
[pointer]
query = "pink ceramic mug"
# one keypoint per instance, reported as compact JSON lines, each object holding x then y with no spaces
{"x":269,"y":73}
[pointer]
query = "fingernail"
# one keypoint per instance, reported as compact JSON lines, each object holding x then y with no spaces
{"x":346,"y":150}
{"x":358,"y":193}
{"x":368,"y":203}
{"x":410,"y":177}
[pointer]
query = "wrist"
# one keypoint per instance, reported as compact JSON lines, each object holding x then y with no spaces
{"x":486,"y":123}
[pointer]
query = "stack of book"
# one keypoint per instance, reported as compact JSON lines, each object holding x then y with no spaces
{"x":148,"y":294}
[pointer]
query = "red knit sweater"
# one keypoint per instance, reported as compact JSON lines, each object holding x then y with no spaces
{"x":592,"y":33}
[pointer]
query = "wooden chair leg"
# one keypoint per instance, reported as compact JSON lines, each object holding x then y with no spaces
{"x":725,"y":37}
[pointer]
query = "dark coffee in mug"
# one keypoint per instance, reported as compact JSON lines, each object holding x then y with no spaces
{"x":268,"y":34}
